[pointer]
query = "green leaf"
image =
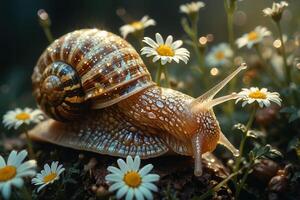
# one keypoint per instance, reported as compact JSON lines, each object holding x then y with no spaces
{"x":294,"y":113}
{"x":291,"y":109}
{"x":264,"y":151}
{"x":294,"y":144}
{"x":240,"y":127}
{"x":256,"y":134}
{"x":295,"y":177}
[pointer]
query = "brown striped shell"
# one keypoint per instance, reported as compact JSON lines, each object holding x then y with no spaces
{"x":87,"y":68}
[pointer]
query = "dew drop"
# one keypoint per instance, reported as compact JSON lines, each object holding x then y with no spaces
{"x":160,"y":104}
{"x":151,"y":115}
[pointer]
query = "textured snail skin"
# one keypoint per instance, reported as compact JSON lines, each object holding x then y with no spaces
{"x":102,"y":99}
{"x":150,"y":123}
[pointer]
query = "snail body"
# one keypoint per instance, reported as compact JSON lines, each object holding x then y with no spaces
{"x":101,"y":97}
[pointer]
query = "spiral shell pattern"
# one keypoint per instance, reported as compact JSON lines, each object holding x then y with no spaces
{"x":108,"y":69}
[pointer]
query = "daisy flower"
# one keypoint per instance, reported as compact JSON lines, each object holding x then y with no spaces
{"x":130,"y":180}
{"x":254,"y":37}
{"x":261,"y":96}
{"x":276,"y":11}
{"x":48,"y":175}
{"x":166,"y":51}
{"x":16,"y":118}
{"x":219,"y":55}
{"x":137,"y":26}
{"x":191,"y":7}
{"x":13,"y":172}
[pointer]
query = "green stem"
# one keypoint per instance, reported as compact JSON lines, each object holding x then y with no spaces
{"x":287,"y":67}
{"x":158,"y":74}
{"x":243,"y":180}
{"x":230,"y":6}
{"x":166,"y":73}
{"x":25,"y":194}
{"x":242,"y":144}
{"x":217,"y":187}
{"x":29,"y":145}
{"x":139,"y":35}
{"x":230,"y":30}
{"x":194,"y":37}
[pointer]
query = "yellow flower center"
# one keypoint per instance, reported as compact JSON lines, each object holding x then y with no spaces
{"x":220,"y":55}
{"x":50,"y":177}
{"x":132,"y":179}
{"x":252,"y":36}
{"x":137,"y":25}
{"x":165,"y":50}
{"x":22,"y":116}
{"x":257,"y":95}
{"x":7,"y":173}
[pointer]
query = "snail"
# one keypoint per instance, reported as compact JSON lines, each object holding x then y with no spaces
{"x":101,"y":98}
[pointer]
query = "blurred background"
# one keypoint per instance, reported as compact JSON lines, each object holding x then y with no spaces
{"x":23,"y":40}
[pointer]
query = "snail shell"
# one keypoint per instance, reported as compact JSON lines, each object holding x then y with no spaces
{"x":87,"y":68}
{"x":99,"y":72}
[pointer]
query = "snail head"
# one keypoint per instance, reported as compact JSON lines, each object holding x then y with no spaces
{"x":208,"y":133}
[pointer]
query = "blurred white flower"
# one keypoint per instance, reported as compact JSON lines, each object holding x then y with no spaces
{"x":276,"y":11}
{"x":278,"y":65}
{"x":219,"y":55}
{"x":254,"y":37}
{"x":261,"y":96}
{"x":13,"y":172}
{"x":191,"y":7}
{"x":48,"y":175}
{"x":16,"y":118}
{"x":165,"y":51}
{"x":129,"y":179}
{"x":137,"y":26}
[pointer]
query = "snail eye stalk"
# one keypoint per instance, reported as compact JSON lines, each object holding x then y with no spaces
{"x":207,"y":98}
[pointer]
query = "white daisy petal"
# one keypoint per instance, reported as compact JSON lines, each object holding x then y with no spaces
{"x":121,"y":192}
{"x":136,"y":163}
{"x":116,"y":186}
{"x":136,"y":26}
{"x":6,"y":190}
{"x":151,"y":178}
{"x":114,"y":170}
{"x":130,"y":194}
{"x":27,"y":165}
{"x":129,"y":162}
{"x":253,"y":37}
{"x":41,"y":187}
{"x":165,"y":51}
{"x":122,"y":165}
{"x":169,"y":40}
{"x":138,"y":194}
{"x":20,"y":157}
{"x":159,"y":39}
{"x":262,"y":96}
{"x":47,"y":168}
{"x":146,"y":193}
{"x":17,"y":182}
{"x":132,"y":181}
{"x":48,"y":175}
{"x":12,"y":158}
{"x":192,"y":7}
{"x":2,"y":161}
{"x":146,"y":169}
{"x":150,"y":186}
{"x":176,"y":44}
{"x":16,"y":118}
